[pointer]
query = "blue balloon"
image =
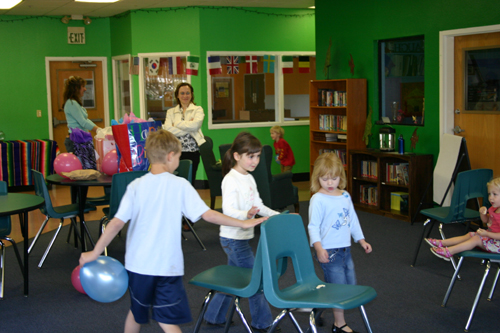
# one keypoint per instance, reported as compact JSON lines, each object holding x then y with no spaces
{"x":104,"y":280}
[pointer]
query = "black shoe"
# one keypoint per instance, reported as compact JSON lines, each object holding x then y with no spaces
{"x":319,"y":322}
{"x":265,"y":330}
{"x":336,"y":329}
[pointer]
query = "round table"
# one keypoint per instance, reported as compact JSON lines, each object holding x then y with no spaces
{"x":82,"y":189}
{"x":21,"y":203}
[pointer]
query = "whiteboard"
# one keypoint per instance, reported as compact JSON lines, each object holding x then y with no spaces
{"x":446,"y":163}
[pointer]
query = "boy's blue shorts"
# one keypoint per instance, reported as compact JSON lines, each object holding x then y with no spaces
{"x":164,"y":295}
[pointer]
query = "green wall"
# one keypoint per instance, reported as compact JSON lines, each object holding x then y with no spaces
{"x":25,"y":42}
{"x":355,"y":26}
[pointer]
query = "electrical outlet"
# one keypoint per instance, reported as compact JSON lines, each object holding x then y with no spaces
{"x":38,"y":113}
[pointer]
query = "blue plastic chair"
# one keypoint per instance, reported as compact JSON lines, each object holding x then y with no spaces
{"x":284,"y":236}
{"x":5,"y":229}
{"x":469,"y":185}
{"x":184,"y":170}
{"x":60,"y":212}
{"x":489,"y":258}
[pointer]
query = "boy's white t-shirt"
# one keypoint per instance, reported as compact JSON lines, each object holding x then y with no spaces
{"x":154,"y":204}
{"x":239,"y":195}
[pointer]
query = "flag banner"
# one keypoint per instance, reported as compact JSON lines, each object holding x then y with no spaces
{"x":304,"y":64}
{"x":251,"y":64}
{"x":134,"y":66}
{"x":175,"y":66}
{"x":287,"y":63}
{"x":192,"y":65}
{"x":232,"y":65}
{"x":214,"y":66}
{"x":153,"y":65}
{"x":268,"y":64}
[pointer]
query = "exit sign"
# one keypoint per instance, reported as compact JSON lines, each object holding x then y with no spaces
{"x":76,"y":35}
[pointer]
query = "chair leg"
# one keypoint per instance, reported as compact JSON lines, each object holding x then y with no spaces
{"x":296,"y":206}
{"x":2,"y":257}
{"x":490,"y":296}
{"x":478,"y":295}
{"x":452,"y":260}
{"x":452,"y":282}
{"x":229,"y":318}
{"x":50,"y":244}
{"x":69,"y":232}
{"x":296,"y":323}
{"x":277,"y":320}
{"x":208,"y":298}
{"x":195,"y":234}
{"x":312,"y":322}
{"x":421,"y":239}
{"x":242,"y":316}
{"x":212,"y":203}
{"x":365,"y":319}
{"x":38,"y":233}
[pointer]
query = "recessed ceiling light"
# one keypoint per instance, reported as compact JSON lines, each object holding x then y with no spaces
{"x":8,"y":4}
{"x":100,"y":1}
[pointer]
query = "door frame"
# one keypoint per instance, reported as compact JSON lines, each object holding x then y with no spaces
{"x":447,"y":73}
{"x":104,"y":62}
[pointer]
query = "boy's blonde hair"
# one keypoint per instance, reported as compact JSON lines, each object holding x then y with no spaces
{"x":279,"y":130}
{"x":159,"y":144}
{"x":330,"y":165}
{"x":495,"y":182}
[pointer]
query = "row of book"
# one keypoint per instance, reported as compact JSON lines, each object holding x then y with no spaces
{"x":328,"y":97}
{"x":331,"y":122}
{"x":397,"y":173}
{"x":368,"y":195}
{"x":341,"y":153}
{"x":369,"y":169}
{"x":329,"y":137}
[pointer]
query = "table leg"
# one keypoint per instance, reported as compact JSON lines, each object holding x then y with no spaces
{"x":23,"y":218}
{"x":82,"y":194}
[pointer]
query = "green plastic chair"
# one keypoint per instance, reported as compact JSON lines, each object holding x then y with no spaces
{"x":184,"y":170}
{"x":489,"y":258}
{"x":5,"y":229}
{"x":119,"y":185}
{"x":60,"y":212}
{"x":284,"y":236}
{"x":469,"y":185}
{"x":212,"y":169}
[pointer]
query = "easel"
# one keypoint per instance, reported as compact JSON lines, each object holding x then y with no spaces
{"x":451,"y":146}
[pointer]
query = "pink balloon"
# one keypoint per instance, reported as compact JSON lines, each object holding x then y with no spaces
{"x":110,"y":163}
{"x":66,"y":162}
{"x":75,"y":280}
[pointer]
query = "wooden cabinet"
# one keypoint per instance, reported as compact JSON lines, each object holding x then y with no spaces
{"x":337,"y":112}
{"x":385,"y":176}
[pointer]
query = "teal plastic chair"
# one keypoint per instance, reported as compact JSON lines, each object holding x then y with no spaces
{"x":119,"y":185}
{"x":212,"y":169}
{"x":60,"y":212}
{"x":184,"y":170}
{"x":485,"y":256}
{"x":5,"y":229}
{"x":284,"y":236}
{"x":469,"y":185}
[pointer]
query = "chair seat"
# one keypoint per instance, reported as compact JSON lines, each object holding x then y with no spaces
{"x":495,"y":257}
{"x":224,"y":278}
{"x":441,"y":214}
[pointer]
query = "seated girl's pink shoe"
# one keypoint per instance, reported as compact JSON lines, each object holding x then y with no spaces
{"x":442,"y":252}
{"x":434,"y":242}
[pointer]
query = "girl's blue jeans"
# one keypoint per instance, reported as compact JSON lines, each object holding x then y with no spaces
{"x":340,"y":269}
{"x":239,"y":253}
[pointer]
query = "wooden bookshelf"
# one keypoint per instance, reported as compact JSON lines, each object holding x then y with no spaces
{"x":353,"y":112}
{"x":419,"y":175}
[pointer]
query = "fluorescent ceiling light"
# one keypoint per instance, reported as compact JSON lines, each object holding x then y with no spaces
{"x":8,"y":4}
{"x":312,"y":7}
{"x":100,"y":1}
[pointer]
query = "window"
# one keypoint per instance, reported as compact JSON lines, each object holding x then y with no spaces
{"x":401,"y":72}
{"x":249,"y":89}
{"x":122,"y":87}
{"x":159,"y":74}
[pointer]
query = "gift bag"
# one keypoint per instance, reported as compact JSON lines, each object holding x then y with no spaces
{"x":130,"y":141}
{"x":104,"y":142}
{"x":84,"y":148}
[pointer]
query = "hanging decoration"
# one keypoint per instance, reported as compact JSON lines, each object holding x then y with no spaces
{"x":192,"y":65}
{"x":268,"y":63}
{"x":287,"y":64}
{"x":251,"y":62}
{"x":304,"y":64}
{"x":153,"y":65}
{"x":214,"y":66}
{"x":232,"y":65}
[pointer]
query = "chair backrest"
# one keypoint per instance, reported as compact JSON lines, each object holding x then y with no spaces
{"x":184,"y":169}
{"x":469,"y":185}
{"x":284,"y":236}
{"x":214,"y":175}
{"x":262,"y":175}
{"x":5,"y":225}
{"x":119,"y":185}
{"x":42,"y":191}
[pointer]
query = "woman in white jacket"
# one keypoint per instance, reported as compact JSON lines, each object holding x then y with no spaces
{"x":184,"y":121}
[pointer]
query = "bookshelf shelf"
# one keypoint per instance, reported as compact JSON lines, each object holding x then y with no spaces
{"x":347,"y":120}
{"x":381,"y":187}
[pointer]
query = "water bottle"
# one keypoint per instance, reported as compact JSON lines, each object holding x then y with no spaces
{"x":401,"y":144}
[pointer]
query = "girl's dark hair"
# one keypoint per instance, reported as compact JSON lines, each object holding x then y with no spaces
{"x":176,"y":93}
{"x":243,"y":143}
{"x":72,"y":88}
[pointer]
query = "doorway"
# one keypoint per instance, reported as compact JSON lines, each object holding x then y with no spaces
{"x":95,"y":100}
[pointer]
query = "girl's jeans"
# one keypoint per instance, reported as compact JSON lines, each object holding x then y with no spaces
{"x":340,"y":269}
{"x":239,"y":253}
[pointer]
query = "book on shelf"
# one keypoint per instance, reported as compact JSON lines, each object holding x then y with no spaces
{"x":368,"y":195}
{"x":397,"y":173}
{"x":341,"y":153}
{"x":331,"y":122}
{"x":369,"y":169}
{"x":398,"y":200}
{"x":328,"y":137}
{"x":329,"y":97}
